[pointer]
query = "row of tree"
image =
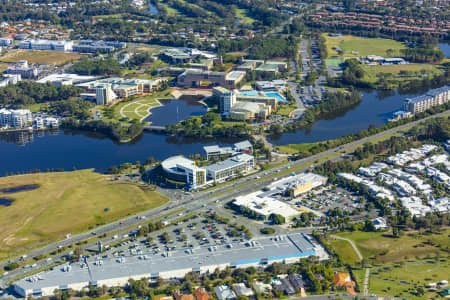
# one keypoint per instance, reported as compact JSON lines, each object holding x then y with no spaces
{"x":29,"y":92}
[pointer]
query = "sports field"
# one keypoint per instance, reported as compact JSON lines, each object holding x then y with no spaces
{"x":40,"y":57}
{"x":67,"y":202}
{"x":413,"y":70}
{"x":361,"y":46}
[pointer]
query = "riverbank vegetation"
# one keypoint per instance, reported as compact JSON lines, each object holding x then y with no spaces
{"x":331,"y":103}
{"x":65,"y":202}
{"x":114,"y":130}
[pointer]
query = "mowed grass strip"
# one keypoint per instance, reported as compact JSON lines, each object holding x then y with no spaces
{"x":68,"y":202}
{"x":56,"y":58}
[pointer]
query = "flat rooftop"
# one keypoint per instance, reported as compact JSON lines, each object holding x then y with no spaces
{"x":229,"y":163}
{"x":149,"y":264}
{"x":265,"y":204}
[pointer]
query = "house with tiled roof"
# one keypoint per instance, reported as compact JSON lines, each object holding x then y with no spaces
{"x":344,"y":279}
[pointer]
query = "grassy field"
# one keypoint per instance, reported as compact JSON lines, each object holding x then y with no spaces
{"x":371,"y":72}
{"x":399,"y":265}
{"x":3,"y":67}
{"x":402,"y":280}
{"x":242,"y":14}
{"x":285,"y":110}
{"x":379,"y":248}
{"x":346,"y":251}
{"x":40,"y":57}
{"x":139,"y":108}
{"x":69,"y":202}
{"x":364,"y":46}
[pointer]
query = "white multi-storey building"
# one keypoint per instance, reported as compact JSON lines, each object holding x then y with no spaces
{"x":432,"y":98}
{"x":104,"y":95}
{"x":227,"y":99}
{"x":48,"y":45}
{"x":15,"y":118}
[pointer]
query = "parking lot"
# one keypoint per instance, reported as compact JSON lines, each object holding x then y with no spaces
{"x":199,"y":231}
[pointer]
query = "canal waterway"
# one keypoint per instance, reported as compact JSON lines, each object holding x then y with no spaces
{"x":26,"y":151}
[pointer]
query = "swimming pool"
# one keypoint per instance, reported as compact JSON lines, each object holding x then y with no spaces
{"x":249,"y":93}
{"x":273,"y":94}
{"x":276,"y":95}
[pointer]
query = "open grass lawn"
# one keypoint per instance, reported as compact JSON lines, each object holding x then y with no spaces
{"x":3,"y":67}
{"x":364,"y":46}
{"x":380,"y":248}
{"x":346,"y":251}
{"x":40,"y":57}
{"x":138,"y":109}
{"x":284,"y":110}
{"x":68,"y":202}
{"x":372,"y":71}
{"x":243,"y":15}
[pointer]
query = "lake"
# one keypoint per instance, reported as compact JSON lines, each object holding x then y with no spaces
{"x":375,"y":108}
{"x":152,"y":8}
{"x":173,"y":111}
{"x":445,"y":48}
{"x":67,"y":149}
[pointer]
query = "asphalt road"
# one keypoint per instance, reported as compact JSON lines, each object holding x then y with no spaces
{"x":207,"y":198}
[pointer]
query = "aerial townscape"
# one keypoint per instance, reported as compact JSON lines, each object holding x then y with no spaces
{"x":229,"y":150}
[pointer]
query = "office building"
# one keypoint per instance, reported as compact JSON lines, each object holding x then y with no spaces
{"x":248,"y":111}
{"x":227,"y":98}
{"x":198,"y":78}
{"x":432,"y":98}
{"x":272,"y":67}
{"x":123,"y":88}
{"x":6,"y":41}
{"x":230,"y":168}
{"x":217,"y":152}
{"x":178,"y":169}
{"x":49,"y":45}
{"x":10,"y":79}
{"x":66,"y":79}
{"x":104,"y":95}
{"x":246,"y":106}
{"x":23,"y":69}
{"x":91,"y":46}
{"x":181,"y":169}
